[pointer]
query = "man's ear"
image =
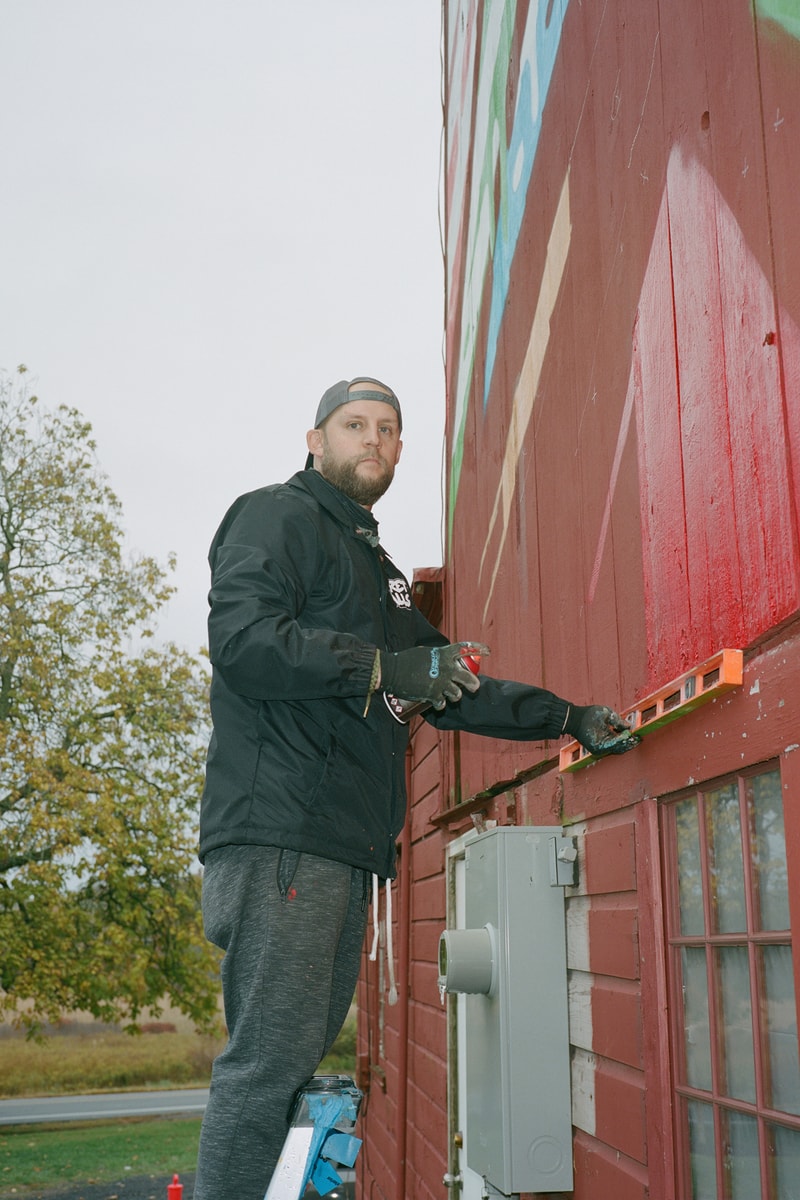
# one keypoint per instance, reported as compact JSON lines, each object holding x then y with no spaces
{"x":314,"y":442}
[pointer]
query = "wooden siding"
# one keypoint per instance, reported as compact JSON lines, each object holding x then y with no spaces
{"x":631,"y":455}
{"x":623,"y":437}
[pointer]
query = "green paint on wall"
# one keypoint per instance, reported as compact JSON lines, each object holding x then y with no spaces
{"x":491,"y":151}
{"x":783,"y":12}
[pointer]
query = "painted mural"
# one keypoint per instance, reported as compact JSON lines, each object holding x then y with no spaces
{"x":623,"y":324}
{"x":483,"y":233}
{"x":623,"y":428}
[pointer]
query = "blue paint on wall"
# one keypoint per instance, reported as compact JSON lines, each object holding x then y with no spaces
{"x":540,"y":48}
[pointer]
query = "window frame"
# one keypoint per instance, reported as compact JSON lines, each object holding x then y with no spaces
{"x":711,"y":941}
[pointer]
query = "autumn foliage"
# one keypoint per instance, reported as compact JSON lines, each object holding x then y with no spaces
{"x":102,"y":735}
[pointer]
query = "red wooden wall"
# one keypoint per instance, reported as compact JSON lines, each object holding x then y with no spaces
{"x":623,"y":379}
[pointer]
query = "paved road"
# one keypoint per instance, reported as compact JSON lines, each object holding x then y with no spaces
{"x":106,"y":1105}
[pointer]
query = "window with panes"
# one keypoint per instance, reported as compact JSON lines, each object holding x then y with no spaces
{"x":733,"y":1015}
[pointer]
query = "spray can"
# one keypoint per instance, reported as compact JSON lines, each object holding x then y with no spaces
{"x":404,"y":710}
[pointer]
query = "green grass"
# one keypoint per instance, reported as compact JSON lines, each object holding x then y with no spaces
{"x":34,"y":1159}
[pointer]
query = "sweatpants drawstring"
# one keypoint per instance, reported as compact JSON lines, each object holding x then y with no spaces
{"x":373,"y":954}
{"x":392,"y":996}
{"x":376,"y":883}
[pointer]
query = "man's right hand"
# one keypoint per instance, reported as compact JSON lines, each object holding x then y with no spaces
{"x":435,"y":674}
{"x":600,"y":730}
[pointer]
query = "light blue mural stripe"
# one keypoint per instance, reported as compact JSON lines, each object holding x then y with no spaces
{"x":539,"y":51}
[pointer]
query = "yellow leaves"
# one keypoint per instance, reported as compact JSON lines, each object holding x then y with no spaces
{"x":101,"y":748}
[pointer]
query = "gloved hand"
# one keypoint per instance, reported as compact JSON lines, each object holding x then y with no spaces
{"x":434,"y":674}
{"x":599,"y":730}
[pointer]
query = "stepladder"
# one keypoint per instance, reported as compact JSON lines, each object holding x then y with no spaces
{"x":319,"y":1139}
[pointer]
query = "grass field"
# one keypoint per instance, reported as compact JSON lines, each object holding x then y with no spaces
{"x":33,"y":1158}
{"x":104,"y":1062}
{"x":101,"y":1060}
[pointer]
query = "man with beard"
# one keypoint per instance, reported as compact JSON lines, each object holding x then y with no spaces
{"x":311,"y":625}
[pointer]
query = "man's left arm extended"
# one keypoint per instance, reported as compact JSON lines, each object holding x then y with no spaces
{"x":504,"y":708}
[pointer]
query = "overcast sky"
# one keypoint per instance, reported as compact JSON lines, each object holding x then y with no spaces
{"x":212,"y":210}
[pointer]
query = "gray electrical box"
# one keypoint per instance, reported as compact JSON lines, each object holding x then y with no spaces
{"x":510,"y":961}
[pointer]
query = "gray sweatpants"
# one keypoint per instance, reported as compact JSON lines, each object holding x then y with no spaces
{"x":292,"y":928}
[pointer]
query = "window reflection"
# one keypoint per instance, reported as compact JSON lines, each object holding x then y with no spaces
{"x":726,"y":864}
{"x":736,"y":1012}
{"x":701,"y":1149}
{"x":781,"y":1028}
{"x":769,"y":850}
{"x":742,"y":1162}
{"x":690,"y":876}
{"x":695,"y":1011}
{"x":785,"y":1154}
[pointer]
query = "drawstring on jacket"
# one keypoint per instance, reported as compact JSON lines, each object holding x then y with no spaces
{"x":373,"y":954}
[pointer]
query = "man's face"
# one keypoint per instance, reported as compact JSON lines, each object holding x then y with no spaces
{"x":358,"y":447}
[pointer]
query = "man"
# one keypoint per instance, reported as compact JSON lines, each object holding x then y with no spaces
{"x":310,"y":623}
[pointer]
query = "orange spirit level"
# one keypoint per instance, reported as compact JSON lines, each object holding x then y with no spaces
{"x":715,"y":676}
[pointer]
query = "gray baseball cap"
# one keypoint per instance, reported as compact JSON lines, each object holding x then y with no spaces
{"x":339,"y":394}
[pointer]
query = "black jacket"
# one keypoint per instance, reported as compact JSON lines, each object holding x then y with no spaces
{"x":301,"y":597}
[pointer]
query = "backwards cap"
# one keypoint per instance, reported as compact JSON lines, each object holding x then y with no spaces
{"x":339,"y":394}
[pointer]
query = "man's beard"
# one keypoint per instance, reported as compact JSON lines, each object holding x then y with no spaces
{"x":343,"y":476}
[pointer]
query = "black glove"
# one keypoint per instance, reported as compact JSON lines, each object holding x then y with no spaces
{"x":431,"y":673}
{"x":599,"y":730}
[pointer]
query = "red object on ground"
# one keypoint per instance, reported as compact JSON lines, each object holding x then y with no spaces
{"x":175,"y":1189}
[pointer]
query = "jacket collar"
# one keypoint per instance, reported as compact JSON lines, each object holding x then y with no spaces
{"x":352,"y":516}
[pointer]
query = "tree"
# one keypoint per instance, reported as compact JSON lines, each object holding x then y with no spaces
{"x":102,"y":736}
